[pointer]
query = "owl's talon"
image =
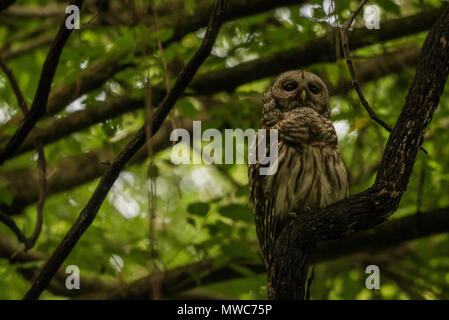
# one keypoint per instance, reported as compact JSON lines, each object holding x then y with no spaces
{"x":293,"y":215}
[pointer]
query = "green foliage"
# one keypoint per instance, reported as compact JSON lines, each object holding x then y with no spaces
{"x":202,"y":212}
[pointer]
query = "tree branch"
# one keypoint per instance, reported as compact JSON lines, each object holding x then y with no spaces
{"x":89,"y":212}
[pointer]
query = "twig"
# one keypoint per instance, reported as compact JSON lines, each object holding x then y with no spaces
{"x":91,"y":209}
{"x":41,"y":165}
{"x":41,"y":97}
{"x":28,"y":242}
{"x":9,"y":222}
{"x":160,"y":48}
{"x":355,"y":82}
{"x":167,"y":85}
{"x":152,"y":200}
{"x":15,"y":86}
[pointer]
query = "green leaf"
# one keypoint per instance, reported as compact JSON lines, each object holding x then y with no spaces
{"x":242,"y":191}
{"x":237,"y":212}
{"x":186,"y":108}
{"x":5,"y":195}
{"x":219,"y":227}
{"x":235,"y":249}
{"x":10,"y":130}
{"x":191,"y":221}
{"x":198,"y":208}
{"x":244,"y":271}
{"x":189,"y":6}
{"x":390,"y":6}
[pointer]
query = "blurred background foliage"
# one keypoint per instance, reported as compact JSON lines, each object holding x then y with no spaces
{"x":202,"y":211}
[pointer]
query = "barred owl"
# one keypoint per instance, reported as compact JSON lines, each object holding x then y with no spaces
{"x":310,"y":173}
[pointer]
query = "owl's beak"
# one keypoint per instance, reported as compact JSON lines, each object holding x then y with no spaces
{"x":303,"y":95}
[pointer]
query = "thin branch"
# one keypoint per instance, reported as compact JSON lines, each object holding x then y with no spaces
{"x":28,"y":242}
{"x":90,"y":211}
{"x":15,"y":86}
{"x":175,"y":114}
{"x":39,"y":104}
{"x":11,"y":224}
{"x":42,"y":172}
{"x":355,"y":83}
{"x":151,"y":191}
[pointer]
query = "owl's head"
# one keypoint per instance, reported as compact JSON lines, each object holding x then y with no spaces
{"x":295,"y":89}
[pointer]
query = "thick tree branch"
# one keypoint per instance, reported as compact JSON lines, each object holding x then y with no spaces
{"x":89,"y":212}
{"x":296,"y":244}
{"x":32,"y":11}
{"x":27,"y":46}
{"x":39,"y":104}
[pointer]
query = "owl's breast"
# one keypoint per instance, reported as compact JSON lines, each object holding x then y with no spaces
{"x":308,"y":176}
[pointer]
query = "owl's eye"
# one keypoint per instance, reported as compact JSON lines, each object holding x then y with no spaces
{"x":290,"y":86}
{"x":313,"y":88}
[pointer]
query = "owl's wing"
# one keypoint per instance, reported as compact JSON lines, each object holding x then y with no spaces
{"x":304,"y":125}
{"x":262,"y":202}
